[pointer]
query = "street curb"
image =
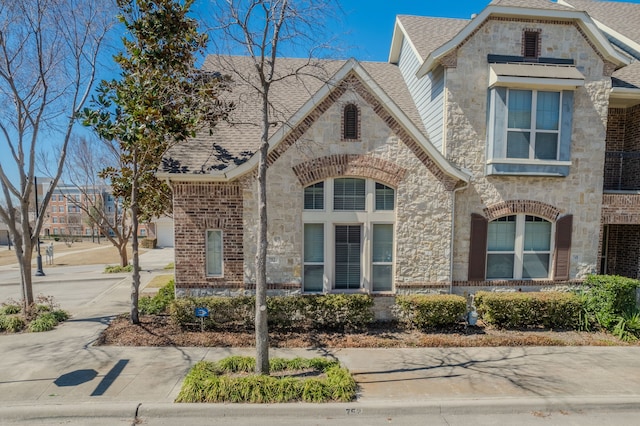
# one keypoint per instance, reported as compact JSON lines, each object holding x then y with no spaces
{"x":367,"y":409}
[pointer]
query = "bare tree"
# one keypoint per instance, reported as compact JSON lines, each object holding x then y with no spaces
{"x":265,"y":29}
{"x":96,"y":206}
{"x":48,"y":56}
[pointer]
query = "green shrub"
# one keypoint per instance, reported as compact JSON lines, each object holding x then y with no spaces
{"x":12,"y":323}
{"x":160,"y":302}
{"x":429,"y":311}
{"x":114,"y":269}
{"x":43,"y":322}
{"x":627,"y":328}
{"x":10,"y":309}
{"x":530,"y":309}
{"x":223,"y":311}
{"x":333,"y":311}
{"x":608,"y":297}
{"x":207,"y":382}
{"x":60,"y":315}
{"x":339,"y":311}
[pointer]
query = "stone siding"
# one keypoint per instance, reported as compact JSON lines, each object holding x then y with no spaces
{"x":580,"y":193}
{"x":423,"y":203}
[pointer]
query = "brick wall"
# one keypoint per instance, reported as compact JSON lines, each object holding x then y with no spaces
{"x":623,"y":257}
{"x":198,"y":207}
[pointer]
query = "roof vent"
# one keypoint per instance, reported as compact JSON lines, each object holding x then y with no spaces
{"x":473,"y":15}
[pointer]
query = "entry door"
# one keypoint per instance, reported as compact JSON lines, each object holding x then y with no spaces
{"x":348,"y":240}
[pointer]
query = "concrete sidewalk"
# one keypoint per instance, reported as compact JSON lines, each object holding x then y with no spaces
{"x":61,"y":373}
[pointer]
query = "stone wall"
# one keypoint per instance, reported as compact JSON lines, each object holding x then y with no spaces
{"x":580,"y":193}
{"x":423,"y":203}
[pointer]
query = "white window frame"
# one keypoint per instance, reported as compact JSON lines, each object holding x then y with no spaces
{"x":206,"y":243}
{"x":518,"y":249}
{"x":533,"y":132}
{"x":366,"y":218}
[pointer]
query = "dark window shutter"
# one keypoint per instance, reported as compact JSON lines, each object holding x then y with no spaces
{"x":564,"y":227}
{"x":351,"y":122}
{"x":478,"y":248}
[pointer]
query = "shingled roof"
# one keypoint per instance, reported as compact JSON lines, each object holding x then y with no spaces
{"x":620,"y":16}
{"x":233,"y":143}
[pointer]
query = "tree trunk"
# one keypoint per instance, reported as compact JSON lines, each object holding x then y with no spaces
{"x":135,"y":284}
{"x":262,"y":331}
{"x":124,"y":257}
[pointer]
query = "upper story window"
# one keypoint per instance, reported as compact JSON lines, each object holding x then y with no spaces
{"x":533,"y":124}
{"x":531,"y":44}
{"x":350,"y":122}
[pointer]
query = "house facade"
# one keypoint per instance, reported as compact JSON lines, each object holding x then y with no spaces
{"x":494,"y":152}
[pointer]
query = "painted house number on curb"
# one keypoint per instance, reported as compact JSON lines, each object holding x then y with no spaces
{"x":352,"y":411}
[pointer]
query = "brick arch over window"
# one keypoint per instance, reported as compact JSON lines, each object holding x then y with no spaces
{"x":536,"y":208}
{"x":351,"y":82}
{"x":349,"y":165}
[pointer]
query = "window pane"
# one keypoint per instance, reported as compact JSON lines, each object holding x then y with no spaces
{"x":313,"y":242}
{"x":502,"y":234}
{"x":313,"y":277}
{"x":382,"y":243}
{"x":214,"y":252}
{"x":384,"y":197}
{"x":537,"y":234}
{"x":347,"y":256}
{"x":382,"y":277}
{"x":535,"y":266}
{"x":548,"y":111}
{"x":348,"y":194}
{"x":519,"y":109}
{"x":518,"y":144}
{"x":314,"y":197}
{"x":546,"y":146}
{"x":500,"y":266}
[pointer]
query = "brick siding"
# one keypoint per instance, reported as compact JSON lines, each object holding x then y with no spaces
{"x":198,"y":207}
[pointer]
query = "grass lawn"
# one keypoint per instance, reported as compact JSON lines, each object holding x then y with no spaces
{"x":77,"y":254}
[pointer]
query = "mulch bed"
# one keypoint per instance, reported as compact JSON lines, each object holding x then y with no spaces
{"x":158,"y":330}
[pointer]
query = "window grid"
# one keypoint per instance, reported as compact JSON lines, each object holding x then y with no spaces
{"x":533,"y":124}
{"x":519,"y":247}
{"x":314,"y":197}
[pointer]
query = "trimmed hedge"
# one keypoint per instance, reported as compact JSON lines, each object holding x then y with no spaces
{"x":331,"y":311}
{"x":429,"y":311}
{"x":530,"y":309}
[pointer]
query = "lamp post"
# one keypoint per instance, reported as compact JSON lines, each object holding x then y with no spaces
{"x":39,"y":271}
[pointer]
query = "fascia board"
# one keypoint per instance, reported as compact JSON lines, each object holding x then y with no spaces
{"x":399,"y":115}
{"x":399,"y":35}
{"x":585,"y":22}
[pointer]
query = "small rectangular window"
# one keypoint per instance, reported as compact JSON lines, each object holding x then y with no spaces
{"x":313,"y":257}
{"x":382,"y":257}
{"x":214,"y":252}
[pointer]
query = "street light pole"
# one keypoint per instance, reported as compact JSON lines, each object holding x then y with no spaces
{"x":39,"y":271}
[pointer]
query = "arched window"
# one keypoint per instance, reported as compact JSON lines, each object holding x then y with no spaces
{"x":348,"y":235}
{"x":350,"y":121}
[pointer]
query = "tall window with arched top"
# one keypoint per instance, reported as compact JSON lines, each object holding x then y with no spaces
{"x":348,"y":239}
{"x":350,"y":122}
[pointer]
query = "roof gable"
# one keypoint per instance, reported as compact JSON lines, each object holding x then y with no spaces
{"x":224,"y":160}
{"x":526,"y":9}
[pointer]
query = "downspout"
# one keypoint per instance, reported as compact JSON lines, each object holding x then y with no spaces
{"x":453,"y":228}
